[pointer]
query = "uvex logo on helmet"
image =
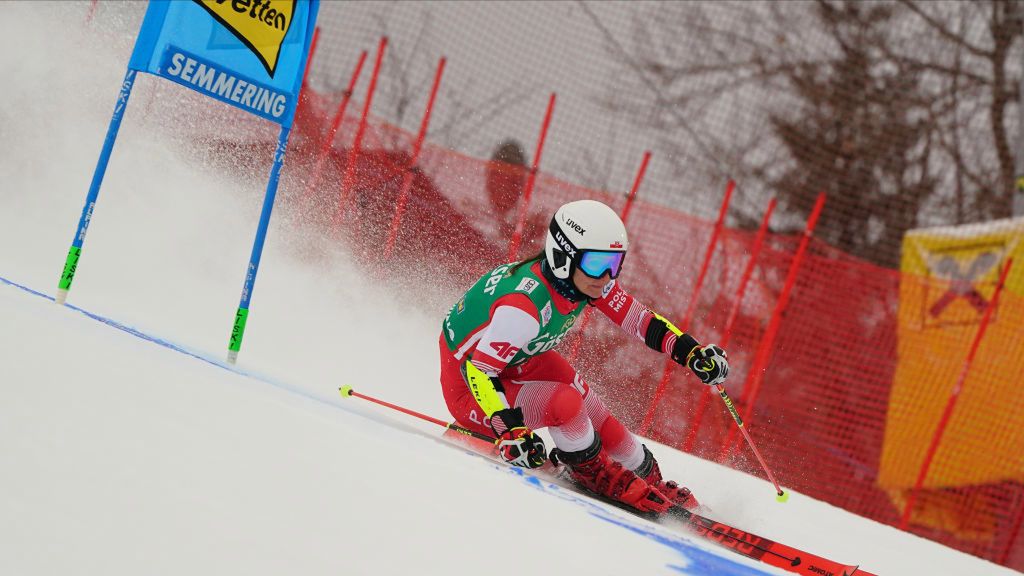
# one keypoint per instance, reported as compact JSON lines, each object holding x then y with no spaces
{"x":259,"y":24}
{"x":565,"y":245}
{"x":569,"y":222}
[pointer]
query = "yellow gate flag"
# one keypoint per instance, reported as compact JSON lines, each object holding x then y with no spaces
{"x":262,"y":28}
{"x":949,"y":277}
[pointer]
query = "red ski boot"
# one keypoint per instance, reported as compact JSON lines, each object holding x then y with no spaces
{"x":651,"y":473}
{"x":593,"y":469}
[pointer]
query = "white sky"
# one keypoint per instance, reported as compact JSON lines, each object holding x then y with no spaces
{"x":121,"y":456}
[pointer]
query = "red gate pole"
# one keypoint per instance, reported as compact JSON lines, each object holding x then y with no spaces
{"x":628,"y":207}
{"x":712,"y":244}
{"x":953,"y":396}
{"x":574,"y":351}
{"x":353,"y":154}
{"x":755,"y":250}
{"x":92,"y":11}
{"x":309,"y":64}
{"x":645,"y":426}
{"x":339,"y":116}
{"x":753,"y":383}
{"x":403,"y":196}
{"x":524,"y":204}
{"x":305,"y":73}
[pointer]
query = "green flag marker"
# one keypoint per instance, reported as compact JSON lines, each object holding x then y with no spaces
{"x":70,"y":265}
{"x":236,"y":334}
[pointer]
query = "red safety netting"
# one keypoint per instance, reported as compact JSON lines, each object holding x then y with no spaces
{"x":820,"y":413}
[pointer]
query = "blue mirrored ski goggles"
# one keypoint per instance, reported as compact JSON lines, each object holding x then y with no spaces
{"x":596,"y":263}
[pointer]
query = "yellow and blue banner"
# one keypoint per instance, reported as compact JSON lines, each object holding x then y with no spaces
{"x":247,"y":53}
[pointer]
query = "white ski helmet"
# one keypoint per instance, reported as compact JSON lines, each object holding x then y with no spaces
{"x":586,"y":235}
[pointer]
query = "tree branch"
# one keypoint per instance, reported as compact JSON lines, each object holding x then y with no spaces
{"x":944,"y":31}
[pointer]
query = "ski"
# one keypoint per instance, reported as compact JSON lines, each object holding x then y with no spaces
{"x":762,"y":549}
{"x":739,"y":541}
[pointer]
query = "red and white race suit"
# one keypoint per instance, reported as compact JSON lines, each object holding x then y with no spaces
{"x":551,"y":393}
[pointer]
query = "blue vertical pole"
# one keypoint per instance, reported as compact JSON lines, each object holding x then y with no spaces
{"x":71,"y":262}
{"x":235,"y":344}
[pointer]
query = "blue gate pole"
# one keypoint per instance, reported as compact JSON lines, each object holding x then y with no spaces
{"x":75,"y":252}
{"x":238,"y":330}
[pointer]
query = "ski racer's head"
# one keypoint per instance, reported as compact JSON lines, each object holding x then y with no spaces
{"x":586,"y":245}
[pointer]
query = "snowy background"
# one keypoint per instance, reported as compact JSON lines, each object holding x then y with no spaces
{"x":126,"y":455}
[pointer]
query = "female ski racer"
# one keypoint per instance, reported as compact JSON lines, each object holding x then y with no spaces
{"x":500,"y":373}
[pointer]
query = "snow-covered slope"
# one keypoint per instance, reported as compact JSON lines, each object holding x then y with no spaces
{"x":137,"y":451}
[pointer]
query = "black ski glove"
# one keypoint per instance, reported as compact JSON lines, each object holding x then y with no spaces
{"x":709,"y":363}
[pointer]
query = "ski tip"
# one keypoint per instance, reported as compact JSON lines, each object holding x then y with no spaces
{"x":782,"y":496}
{"x":346,"y":391}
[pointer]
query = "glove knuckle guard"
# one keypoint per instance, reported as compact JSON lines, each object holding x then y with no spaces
{"x":519,"y":446}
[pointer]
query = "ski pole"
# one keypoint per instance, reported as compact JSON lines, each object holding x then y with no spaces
{"x":347,"y":391}
{"x":781,"y":496}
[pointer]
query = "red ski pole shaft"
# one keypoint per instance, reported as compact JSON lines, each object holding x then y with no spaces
{"x":739,"y":423}
{"x":750,"y":442}
{"x":347,"y":391}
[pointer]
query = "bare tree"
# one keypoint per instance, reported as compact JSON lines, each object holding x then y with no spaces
{"x":982,"y":82}
{"x":860,"y":133}
{"x":900,"y":110}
